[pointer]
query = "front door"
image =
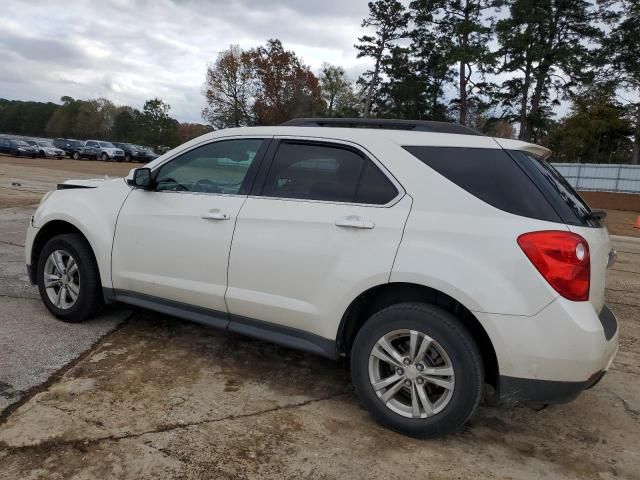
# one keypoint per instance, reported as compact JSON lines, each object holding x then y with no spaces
{"x":172,"y":242}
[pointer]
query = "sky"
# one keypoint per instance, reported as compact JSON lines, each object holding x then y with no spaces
{"x":132,"y":50}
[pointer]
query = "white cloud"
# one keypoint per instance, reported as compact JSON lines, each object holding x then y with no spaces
{"x":132,"y":50}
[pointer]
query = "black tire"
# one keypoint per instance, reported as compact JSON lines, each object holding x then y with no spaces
{"x":127,"y":158}
{"x":42,"y":155}
{"x":104,"y":157}
{"x":450,"y":334}
{"x":90,"y":300}
{"x":76,"y":156}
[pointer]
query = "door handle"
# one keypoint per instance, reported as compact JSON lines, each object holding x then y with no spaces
{"x":215,"y":215}
{"x":354,"y":221}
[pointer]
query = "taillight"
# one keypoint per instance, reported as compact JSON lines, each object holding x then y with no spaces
{"x":563,"y":260}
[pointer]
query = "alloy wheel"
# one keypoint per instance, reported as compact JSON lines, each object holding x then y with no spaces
{"x":411,"y":374}
{"x":62,"y":279}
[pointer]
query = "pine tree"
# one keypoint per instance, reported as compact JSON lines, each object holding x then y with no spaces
{"x":621,"y":49}
{"x":545,"y":46}
{"x":464,"y":30}
{"x":389,"y":19}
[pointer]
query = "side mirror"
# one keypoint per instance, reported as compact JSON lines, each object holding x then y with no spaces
{"x":141,"y":178}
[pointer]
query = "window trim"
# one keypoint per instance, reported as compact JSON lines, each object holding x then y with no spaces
{"x":252,"y":171}
{"x":261,"y":178}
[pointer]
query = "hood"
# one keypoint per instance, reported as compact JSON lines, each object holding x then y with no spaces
{"x":89,"y":183}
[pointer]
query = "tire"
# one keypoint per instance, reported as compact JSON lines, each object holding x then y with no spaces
{"x":104,"y":157}
{"x":42,"y":155}
{"x":89,"y":300}
{"x":76,"y":156}
{"x":127,"y":158}
{"x":452,"y":406}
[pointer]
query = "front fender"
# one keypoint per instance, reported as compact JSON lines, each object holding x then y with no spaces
{"x":94,"y":212}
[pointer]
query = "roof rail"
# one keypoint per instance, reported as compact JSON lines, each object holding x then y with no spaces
{"x":388,"y":124}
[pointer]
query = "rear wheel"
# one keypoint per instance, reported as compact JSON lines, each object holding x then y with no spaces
{"x":68,"y":278}
{"x":417,"y":370}
{"x":76,"y":156}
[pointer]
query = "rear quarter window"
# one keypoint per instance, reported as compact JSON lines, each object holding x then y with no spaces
{"x":492,"y":176}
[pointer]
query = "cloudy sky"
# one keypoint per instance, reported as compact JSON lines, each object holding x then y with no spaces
{"x":132,"y":50}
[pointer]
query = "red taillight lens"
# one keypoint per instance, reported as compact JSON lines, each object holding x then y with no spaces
{"x":563,"y":260}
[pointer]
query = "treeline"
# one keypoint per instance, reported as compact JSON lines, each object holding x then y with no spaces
{"x":99,"y":119}
{"x":501,"y":66}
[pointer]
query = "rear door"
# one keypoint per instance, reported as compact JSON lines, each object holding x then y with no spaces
{"x":323,"y":226}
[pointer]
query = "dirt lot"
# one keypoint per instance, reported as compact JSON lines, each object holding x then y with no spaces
{"x":141,"y":395}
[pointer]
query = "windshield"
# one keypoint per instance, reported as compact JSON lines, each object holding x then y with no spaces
{"x":44,"y":144}
{"x":21,"y":143}
{"x":106,"y":144}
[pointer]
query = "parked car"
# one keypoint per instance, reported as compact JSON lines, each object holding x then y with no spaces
{"x":46,"y":149}
{"x":131,"y":152}
{"x":436,"y":259}
{"x":107,"y":150}
{"x":75,"y":149}
{"x":17,"y":148}
{"x":147,"y":154}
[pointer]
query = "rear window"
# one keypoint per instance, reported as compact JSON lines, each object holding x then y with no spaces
{"x":566,"y":201}
{"x":490,"y":175}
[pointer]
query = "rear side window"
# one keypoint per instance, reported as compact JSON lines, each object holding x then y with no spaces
{"x":490,"y":175}
{"x":326,"y":172}
{"x":557,"y":190}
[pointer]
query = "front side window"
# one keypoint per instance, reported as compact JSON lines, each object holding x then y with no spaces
{"x":219,"y":167}
{"x":325,"y":172}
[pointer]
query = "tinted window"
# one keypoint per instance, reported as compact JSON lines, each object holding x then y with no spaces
{"x":314,"y":172}
{"x":219,"y":167}
{"x":492,"y":176}
{"x":375,"y":188}
{"x":558,"y":191}
{"x":326,"y":172}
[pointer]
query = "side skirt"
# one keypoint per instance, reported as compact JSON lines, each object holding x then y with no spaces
{"x":278,"y":334}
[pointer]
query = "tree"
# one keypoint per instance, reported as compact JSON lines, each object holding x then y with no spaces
{"x":622,"y":51}
{"x":337,"y":91}
{"x":285,"y":88}
{"x":595,"y":131}
{"x":158,"y":128}
{"x":188,"y":131}
{"x":228,"y":89}
{"x":463,"y":33}
{"x":547,"y":43}
{"x":389,"y":19}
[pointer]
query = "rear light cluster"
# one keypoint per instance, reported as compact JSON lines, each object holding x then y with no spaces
{"x":563,"y":260}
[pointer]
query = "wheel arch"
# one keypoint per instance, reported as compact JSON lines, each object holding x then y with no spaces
{"x":50,"y":230}
{"x":381,"y":296}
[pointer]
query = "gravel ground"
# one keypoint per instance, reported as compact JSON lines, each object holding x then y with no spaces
{"x":143,"y":395}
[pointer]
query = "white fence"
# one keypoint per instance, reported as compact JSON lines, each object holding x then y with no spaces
{"x":602,"y":177}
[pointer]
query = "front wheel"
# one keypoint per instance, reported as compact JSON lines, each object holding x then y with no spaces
{"x":76,"y":156}
{"x":417,"y":370}
{"x":68,"y":279}
{"x":104,"y":157}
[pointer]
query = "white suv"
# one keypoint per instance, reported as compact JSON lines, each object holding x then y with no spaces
{"x":438,"y":260}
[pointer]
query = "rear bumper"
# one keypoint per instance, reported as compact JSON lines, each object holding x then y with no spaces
{"x":554,"y":355}
{"x":517,"y":390}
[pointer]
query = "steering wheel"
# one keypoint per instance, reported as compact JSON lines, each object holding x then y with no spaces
{"x":205,"y":185}
{"x":179,"y":186}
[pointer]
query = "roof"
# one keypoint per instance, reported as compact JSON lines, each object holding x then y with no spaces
{"x":384,"y":124}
